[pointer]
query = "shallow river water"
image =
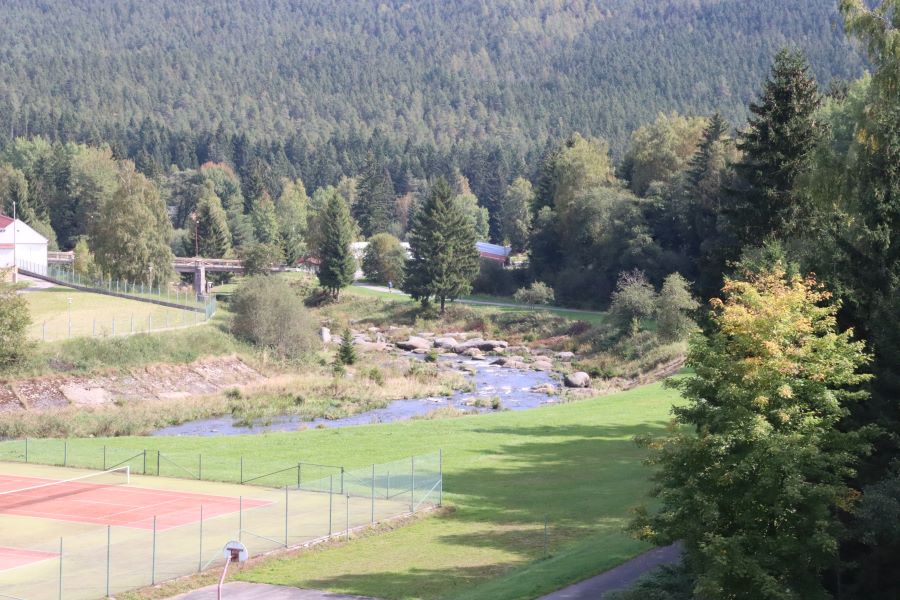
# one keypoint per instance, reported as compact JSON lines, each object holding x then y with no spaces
{"x":511,"y":386}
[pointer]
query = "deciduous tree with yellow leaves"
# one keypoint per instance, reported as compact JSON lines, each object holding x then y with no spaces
{"x":756,"y":469}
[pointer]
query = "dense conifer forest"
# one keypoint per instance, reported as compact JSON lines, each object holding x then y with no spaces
{"x":311,"y":87}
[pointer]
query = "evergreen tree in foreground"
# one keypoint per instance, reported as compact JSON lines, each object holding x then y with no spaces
{"x":755,"y":488}
{"x":775,"y":146}
{"x":337,"y":266}
{"x":346,"y":351}
{"x":444,"y":259}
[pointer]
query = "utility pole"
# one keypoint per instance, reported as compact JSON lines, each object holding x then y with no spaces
{"x":15,"y":271}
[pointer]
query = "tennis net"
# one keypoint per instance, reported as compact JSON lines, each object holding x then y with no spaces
{"x":60,"y":488}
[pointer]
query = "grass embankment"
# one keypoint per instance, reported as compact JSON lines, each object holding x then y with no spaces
{"x":97,"y":315}
{"x":575,"y":465}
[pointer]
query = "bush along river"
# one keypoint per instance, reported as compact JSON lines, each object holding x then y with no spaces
{"x":496,"y":387}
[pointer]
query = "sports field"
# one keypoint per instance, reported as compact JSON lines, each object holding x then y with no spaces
{"x":54,"y":308}
{"x":574,"y":466}
{"x":80,"y":534}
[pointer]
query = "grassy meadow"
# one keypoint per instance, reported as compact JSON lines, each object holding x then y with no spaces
{"x":574,"y":465}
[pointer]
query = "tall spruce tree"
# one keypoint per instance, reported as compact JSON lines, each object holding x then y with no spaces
{"x":775,"y":145}
{"x":374,"y":207}
{"x":213,"y":235}
{"x":444,"y":259}
{"x":337,"y":265}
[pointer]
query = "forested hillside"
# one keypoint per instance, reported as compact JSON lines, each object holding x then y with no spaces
{"x":169,"y":83}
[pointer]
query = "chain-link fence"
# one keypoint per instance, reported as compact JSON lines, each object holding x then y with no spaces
{"x":280,"y":508}
{"x":163,"y":307}
{"x":121,"y":287}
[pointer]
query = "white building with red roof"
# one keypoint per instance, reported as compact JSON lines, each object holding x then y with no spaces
{"x":22,"y":245}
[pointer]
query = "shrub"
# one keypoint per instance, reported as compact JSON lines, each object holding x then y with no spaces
{"x":493,"y":279}
{"x":538,"y":293}
{"x":384,"y":260}
{"x":673,"y":309}
{"x":14,"y":321}
{"x":633,"y":300}
{"x":258,"y":259}
{"x":269,"y":314}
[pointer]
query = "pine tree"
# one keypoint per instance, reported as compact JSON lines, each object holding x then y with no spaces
{"x":213,"y":235}
{"x":337,"y":267}
{"x":346,"y":351}
{"x":774,"y":146}
{"x":444,"y":259}
{"x":374,"y":207}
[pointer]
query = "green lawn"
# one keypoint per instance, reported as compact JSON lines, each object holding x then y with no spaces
{"x":96,"y":314}
{"x":593,"y":317}
{"x":575,"y":465}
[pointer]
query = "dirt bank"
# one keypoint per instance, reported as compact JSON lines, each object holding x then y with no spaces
{"x":152,"y":382}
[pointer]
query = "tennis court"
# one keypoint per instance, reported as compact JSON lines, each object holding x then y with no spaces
{"x":81,"y":534}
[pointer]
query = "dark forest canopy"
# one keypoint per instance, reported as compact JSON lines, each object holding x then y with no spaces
{"x":327,"y":82}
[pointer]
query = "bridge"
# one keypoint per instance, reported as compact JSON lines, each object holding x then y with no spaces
{"x":199,"y":266}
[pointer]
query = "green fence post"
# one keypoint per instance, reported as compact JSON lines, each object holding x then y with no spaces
{"x":108,"y":552}
{"x":330,"y":501}
{"x":158,"y":474}
{"x":546,"y":542}
{"x":200,"y":555}
{"x":60,"y":568}
{"x":145,"y":461}
{"x":342,"y":480}
{"x":298,"y":475}
{"x":153,"y":559}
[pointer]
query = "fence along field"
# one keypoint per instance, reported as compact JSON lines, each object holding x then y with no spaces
{"x":148,"y":517}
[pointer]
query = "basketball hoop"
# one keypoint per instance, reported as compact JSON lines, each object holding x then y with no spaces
{"x":234,"y":551}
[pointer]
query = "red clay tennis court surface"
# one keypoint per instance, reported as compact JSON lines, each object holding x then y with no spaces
{"x":117,"y":505}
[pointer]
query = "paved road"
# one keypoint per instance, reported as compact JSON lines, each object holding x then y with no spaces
{"x":239,"y":590}
{"x":619,"y":577}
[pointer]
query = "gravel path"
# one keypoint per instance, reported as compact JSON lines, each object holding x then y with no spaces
{"x":619,"y":577}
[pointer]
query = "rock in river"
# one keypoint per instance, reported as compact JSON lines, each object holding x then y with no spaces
{"x":414,"y":343}
{"x":579,"y":379}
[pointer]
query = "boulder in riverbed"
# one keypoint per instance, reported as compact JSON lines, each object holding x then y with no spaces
{"x":578,"y":379}
{"x":447,"y":343}
{"x":414,"y":343}
{"x":565,"y":355}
